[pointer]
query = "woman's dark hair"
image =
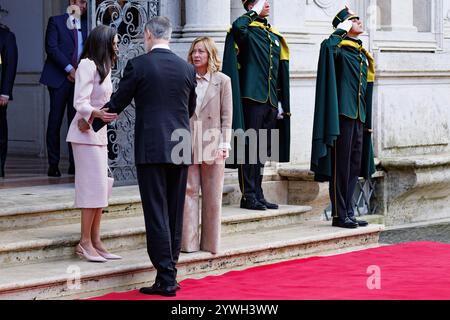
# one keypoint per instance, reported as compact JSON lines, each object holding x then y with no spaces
{"x":99,"y":47}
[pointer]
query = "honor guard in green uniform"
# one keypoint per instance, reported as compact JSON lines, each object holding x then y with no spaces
{"x":256,"y":58}
{"x":342,"y":143}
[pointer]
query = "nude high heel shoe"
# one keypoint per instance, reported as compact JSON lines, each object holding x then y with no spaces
{"x":84,"y":255}
{"x":107,"y":255}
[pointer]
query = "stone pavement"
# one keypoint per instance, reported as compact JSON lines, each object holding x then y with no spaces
{"x":435,"y":233}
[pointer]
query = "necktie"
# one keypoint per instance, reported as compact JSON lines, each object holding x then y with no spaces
{"x":75,"y":52}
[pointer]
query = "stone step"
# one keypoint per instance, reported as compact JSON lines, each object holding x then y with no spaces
{"x":47,"y":280}
{"x":52,"y":205}
{"x":55,"y":242}
{"x":41,"y":206}
{"x":370,"y":218}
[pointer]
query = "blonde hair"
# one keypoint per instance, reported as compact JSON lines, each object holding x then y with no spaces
{"x":214,"y":62}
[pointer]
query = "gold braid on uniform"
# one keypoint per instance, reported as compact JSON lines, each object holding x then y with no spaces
{"x":371,"y":73}
{"x":284,"y":55}
{"x":284,"y":45}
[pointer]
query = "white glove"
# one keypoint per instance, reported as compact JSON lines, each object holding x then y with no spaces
{"x":280,"y":112}
{"x":347,"y":25}
{"x":259,"y":6}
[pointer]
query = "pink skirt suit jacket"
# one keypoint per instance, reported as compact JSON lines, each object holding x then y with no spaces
{"x":90,"y":148}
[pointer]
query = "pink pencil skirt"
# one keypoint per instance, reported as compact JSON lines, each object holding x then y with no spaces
{"x":91,"y":176}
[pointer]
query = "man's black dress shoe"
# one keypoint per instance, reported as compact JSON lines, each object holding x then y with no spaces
{"x":360,"y":223}
{"x":71,"y":170}
{"x":177,"y":286}
{"x":53,"y":171}
{"x":268,"y":205}
{"x":160,"y":290}
{"x":252,"y":204}
{"x":347,"y":223}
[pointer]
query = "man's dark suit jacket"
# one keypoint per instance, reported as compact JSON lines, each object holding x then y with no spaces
{"x":60,"y":47}
{"x":8,"y":51}
{"x":163,"y":87}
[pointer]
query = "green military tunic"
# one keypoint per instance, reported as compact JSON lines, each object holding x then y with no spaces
{"x":345,"y":77}
{"x":256,"y":58}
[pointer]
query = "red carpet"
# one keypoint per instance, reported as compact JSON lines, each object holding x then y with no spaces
{"x":412,"y":271}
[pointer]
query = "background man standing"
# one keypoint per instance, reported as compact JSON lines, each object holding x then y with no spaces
{"x":64,"y":44}
{"x":342,"y":144}
{"x":8,"y":69}
{"x":256,"y":58}
{"x":163,"y":88}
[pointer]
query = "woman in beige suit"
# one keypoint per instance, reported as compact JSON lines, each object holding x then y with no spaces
{"x":211,"y":135}
{"x":93,"y":88}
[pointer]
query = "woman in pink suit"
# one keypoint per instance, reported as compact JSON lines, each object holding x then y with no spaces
{"x":93,"y":89}
{"x":211,"y":136}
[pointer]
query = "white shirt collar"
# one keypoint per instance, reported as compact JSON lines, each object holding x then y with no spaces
{"x":77,"y":22}
{"x":160,"y":46}
{"x":207,"y":76}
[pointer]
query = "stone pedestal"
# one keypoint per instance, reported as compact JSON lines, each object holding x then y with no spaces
{"x":416,"y":189}
{"x":303,"y":190}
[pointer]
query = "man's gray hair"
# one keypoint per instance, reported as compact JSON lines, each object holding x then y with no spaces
{"x":160,"y":27}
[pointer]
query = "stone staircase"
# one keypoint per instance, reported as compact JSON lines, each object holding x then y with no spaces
{"x":39,"y":230}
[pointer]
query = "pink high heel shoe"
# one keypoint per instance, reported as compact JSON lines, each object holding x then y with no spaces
{"x":84,"y":255}
{"x":107,"y":255}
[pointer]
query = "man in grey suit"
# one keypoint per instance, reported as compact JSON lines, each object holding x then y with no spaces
{"x":163,"y":88}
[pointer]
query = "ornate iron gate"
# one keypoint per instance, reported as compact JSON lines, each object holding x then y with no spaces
{"x":128,"y":18}
{"x":363,"y":197}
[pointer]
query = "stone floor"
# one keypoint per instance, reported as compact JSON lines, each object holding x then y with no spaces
{"x":436,"y":233}
{"x":22,"y":171}
{"x":29,"y":171}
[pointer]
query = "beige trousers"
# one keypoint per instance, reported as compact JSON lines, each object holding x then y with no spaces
{"x":208,"y":178}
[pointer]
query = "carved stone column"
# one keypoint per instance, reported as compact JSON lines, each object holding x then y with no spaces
{"x":446,"y":12}
{"x":237,"y":9}
{"x":206,"y":18}
{"x":172,"y":10}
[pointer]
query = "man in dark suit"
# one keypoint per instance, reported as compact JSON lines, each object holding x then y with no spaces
{"x":64,"y":44}
{"x":8,"y":69}
{"x":163,"y":87}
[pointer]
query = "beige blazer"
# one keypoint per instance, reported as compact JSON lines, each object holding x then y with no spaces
{"x":211,"y":123}
{"x":89,"y":95}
